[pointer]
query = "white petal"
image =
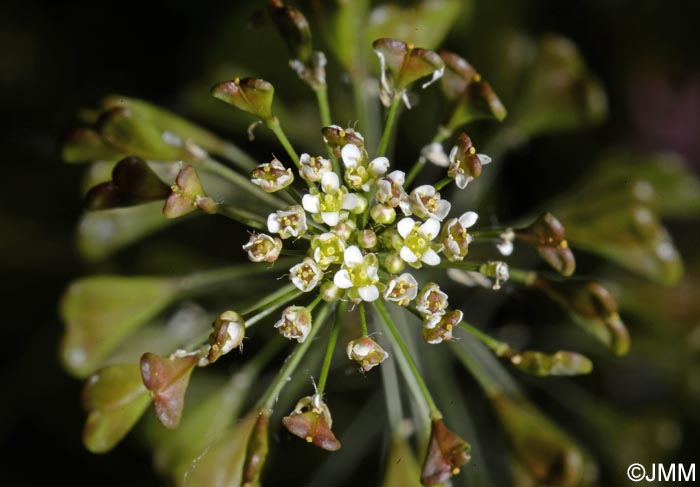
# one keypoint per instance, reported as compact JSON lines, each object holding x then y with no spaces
{"x":430,"y":228}
{"x":430,"y":257}
{"x":462,"y":180}
{"x":273,"y":225}
{"x":468,"y":219}
{"x":304,"y":159}
{"x":350,"y":201}
{"x":407,"y":255}
{"x":310,"y":203}
{"x":453,"y":153}
{"x":405,"y":226}
{"x":443,"y":209}
{"x":342,"y":279}
{"x":351,"y":155}
{"x":330,"y":182}
{"x":368,"y":293}
{"x":397,"y":177}
{"x":379,"y":166}
{"x":352,"y":256}
{"x":484,"y":159}
{"x":330,"y":218}
{"x":437,"y":74}
{"x":424,"y":190}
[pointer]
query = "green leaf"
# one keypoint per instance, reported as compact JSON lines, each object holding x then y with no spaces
{"x":424,"y":24}
{"x":100,"y":312}
{"x":101,"y":233}
{"x":115,"y":399}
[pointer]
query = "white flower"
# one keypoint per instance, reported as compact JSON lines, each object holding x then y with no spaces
{"x":431,"y":301}
{"x":401,"y":289}
{"x":465,"y":164}
{"x":438,"y":328}
{"x":328,"y":205}
{"x":366,"y":352}
{"x":358,"y":174}
{"x":426,"y":203}
{"x":455,"y":237}
{"x":358,"y":275}
{"x":290,"y":222}
{"x":272,"y":176}
{"x":327,"y":249}
{"x":262,"y":247}
{"x":313,"y":168}
{"x":306,"y":275}
{"x":417,"y":246}
{"x":295,"y":323}
{"x":390,"y":192}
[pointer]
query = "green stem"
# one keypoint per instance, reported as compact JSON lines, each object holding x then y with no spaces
{"x":332,"y":341}
{"x":465,"y":266}
{"x":490,"y":233}
{"x":392,"y":395}
{"x":270,"y":397}
{"x":360,"y":103}
{"x":415,"y":376}
{"x":325,"y":111}
{"x":313,"y":303}
{"x":274,"y":125}
{"x":441,"y":184}
{"x":418,"y":166}
{"x":363,"y":319}
{"x":389,"y":126}
{"x":498,"y":347}
{"x":269,"y":304}
{"x":525,"y":277}
{"x":242,"y":216}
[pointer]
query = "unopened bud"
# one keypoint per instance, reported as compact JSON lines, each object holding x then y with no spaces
{"x":394,"y":263}
{"x":382,"y":214}
{"x":367,"y":239}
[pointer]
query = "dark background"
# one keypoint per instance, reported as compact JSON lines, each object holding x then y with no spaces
{"x":56,"y":57}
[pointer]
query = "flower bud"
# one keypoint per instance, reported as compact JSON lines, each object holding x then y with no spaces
{"x":401,"y":289}
{"x":250,"y":95}
{"x":133,"y":183}
{"x":447,"y":452}
{"x":187,"y":195}
{"x":331,"y":293}
{"x":167,"y":379}
{"x":272,"y":176}
{"x":546,"y":235}
{"x":382,"y":214}
{"x":261,"y":247}
{"x":361,"y":206}
{"x":394,"y":263}
{"x":465,"y":163}
{"x":367,"y":239}
{"x":229,"y":331}
{"x":497,"y":270}
{"x":311,"y":420}
{"x":295,"y":323}
{"x":336,"y":138}
{"x":438,"y":328}
{"x":431,"y":301}
{"x":313,"y":168}
{"x":366,"y":352}
{"x":344,"y":230}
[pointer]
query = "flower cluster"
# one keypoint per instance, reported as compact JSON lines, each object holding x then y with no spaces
{"x":360,"y":242}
